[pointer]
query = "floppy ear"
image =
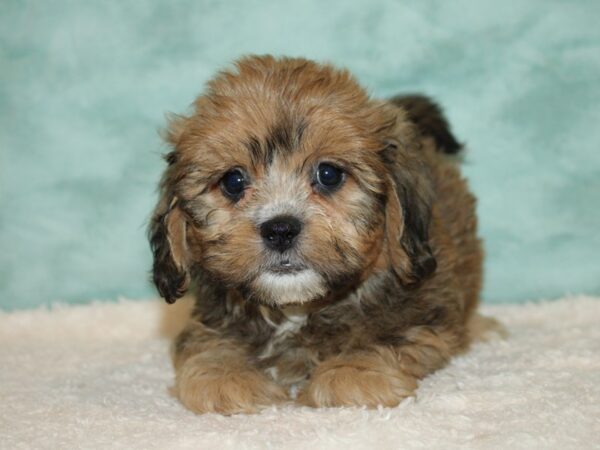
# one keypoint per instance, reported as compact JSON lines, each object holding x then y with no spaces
{"x":167,"y":231}
{"x":167,"y":235}
{"x":408,"y":214}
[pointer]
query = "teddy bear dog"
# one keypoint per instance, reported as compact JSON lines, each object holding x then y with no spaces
{"x":329,"y":239}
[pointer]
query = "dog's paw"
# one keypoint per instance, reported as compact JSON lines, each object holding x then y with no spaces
{"x":205,"y":386}
{"x":365,"y":380}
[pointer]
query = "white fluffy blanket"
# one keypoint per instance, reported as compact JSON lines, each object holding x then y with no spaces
{"x":98,"y":376}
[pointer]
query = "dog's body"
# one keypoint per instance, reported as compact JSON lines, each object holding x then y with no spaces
{"x":331,"y":240}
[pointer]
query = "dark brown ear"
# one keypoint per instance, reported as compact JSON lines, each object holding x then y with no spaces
{"x":408,"y":214}
{"x":167,"y":235}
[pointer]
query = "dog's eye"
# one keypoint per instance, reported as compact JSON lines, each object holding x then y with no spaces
{"x":329,"y":176}
{"x":233,"y":184}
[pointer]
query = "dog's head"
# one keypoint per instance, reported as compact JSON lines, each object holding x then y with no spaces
{"x":289,"y":183}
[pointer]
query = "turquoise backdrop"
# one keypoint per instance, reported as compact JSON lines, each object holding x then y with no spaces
{"x":84,"y":87}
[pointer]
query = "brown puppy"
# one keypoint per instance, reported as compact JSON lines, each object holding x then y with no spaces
{"x":331,"y":242}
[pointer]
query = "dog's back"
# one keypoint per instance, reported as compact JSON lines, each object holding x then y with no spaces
{"x":430,"y":120}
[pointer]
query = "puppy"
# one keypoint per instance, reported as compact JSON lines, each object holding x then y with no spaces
{"x":330,"y":240}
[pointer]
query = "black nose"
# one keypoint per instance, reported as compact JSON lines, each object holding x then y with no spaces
{"x":280,"y":233}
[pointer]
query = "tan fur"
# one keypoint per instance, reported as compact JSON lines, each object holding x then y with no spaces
{"x":395,"y":258}
{"x":212,"y":383}
{"x":212,"y":375}
{"x":370,"y":379}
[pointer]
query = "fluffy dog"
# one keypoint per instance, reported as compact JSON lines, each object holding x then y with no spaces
{"x":330,"y":240}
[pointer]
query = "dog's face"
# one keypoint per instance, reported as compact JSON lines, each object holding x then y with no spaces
{"x":289,"y":184}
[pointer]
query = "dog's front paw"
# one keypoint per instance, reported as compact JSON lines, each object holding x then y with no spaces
{"x":216,"y":386}
{"x":363,"y":380}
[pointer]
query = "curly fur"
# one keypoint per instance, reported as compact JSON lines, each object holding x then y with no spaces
{"x":392,"y":262}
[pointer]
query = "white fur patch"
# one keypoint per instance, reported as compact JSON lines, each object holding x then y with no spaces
{"x":297,"y":287}
{"x":294,"y":320}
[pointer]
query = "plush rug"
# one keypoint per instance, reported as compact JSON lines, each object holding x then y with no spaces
{"x":98,"y":376}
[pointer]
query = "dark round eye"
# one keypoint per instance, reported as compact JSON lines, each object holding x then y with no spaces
{"x":233,"y":184}
{"x":329,"y":176}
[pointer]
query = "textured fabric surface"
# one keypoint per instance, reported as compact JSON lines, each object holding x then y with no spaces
{"x":84,"y":85}
{"x":97,"y":376}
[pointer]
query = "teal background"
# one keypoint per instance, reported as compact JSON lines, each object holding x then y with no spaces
{"x":84,"y":86}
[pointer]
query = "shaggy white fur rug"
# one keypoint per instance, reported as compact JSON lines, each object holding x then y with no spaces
{"x":97,"y":376}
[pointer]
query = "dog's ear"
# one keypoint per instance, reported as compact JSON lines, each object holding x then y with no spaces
{"x":168,"y":226}
{"x":167,"y":235}
{"x":408,"y":214}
